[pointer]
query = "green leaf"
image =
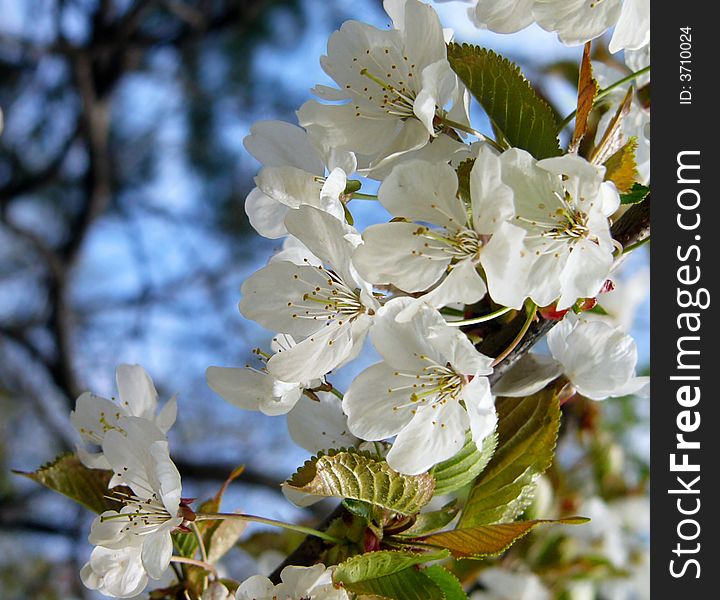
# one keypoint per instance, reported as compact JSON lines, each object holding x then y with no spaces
{"x":509,"y":100}
{"x":446,"y":581}
{"x":360,"y":476}
{"x":487,"y":540}
{"x":463,"y":173}
{"x":409,"y":584}
{"x":527,"y":434}
{"x":466,"y":465}
{"x":390,"y":574}
{"x":598,"y":310}
{"x":69,"y":477}
{"x":637,"y":194}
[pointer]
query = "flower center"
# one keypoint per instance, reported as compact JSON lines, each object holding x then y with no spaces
{"x":458,"y":244}
{"x":434,"y":385}
{"x":143,"y":515}
{"x":329,"y":302}
{"x":105,"y":424}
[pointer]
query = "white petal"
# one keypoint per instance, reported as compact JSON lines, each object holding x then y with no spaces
{"x":167,"y":476}
{"x":435,"y":433}
{"x":480,"y":408}
{"x":492,"y":200}
{"x":320,"y":425}
{"x":330,"y":94}
{"x":394,"y":253}
{"x":167,"y":415}
{"x":587,"y":268}
{"x":341,"y":159}
{"x":91,"y":412}
{"x":266,"y":215}
{"x":128,"y":452}
{"x":424,"y":38}
{"x":247,"y":389}
{"x":423,"y":192}
{"x":108,"y":531}
{"x":289,"y":186}
{"x":278,"y":144}
{"x":576,"y":21}
{"x":332,"y":189}
{"x":439,"y":83}
{"x":633,"y":27}
{"x":400,"y":344}
{"x":528,"y":375}
{"x":136,"y":391}
{"x":502,"y":16}
{"x":507,"y":263}
{"x":92,"y":460}
{"x":294,"y":251}
{"x":544,"y":277}
{"x":463,"y":285}
{"x":156,"y":553}
{"x":377,"y":403}
{"x":327,"y":237}
{"x":216,"y":591}
{"x":406,"y":137}
{"x":338,"y":126}
{"x":456,"y":349}
{"x":271,"y":296}
{"x":326,"y":349}
{"x":256,"y":587}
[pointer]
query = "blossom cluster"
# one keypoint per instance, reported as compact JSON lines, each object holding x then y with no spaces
{"x":525,"y":232}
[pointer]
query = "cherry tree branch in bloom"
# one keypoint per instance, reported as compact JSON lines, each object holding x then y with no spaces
{"x":631,"y":228}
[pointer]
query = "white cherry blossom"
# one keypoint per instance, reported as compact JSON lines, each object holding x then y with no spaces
{"x":394,"y":86}
{"x":327,"y":310}
{"x":574,"y":21}
{"x":297,"y":583}
{"x":598,"y":359}
{"x":139,"y":456}
{"x":251,"y":388}
{"x":564,"y":205}
{"x":442,"y":242}
{"x":429,"y":390}
{"x":94,"y":415}
{"x":293,"y":174}
{"x":115,"y":572}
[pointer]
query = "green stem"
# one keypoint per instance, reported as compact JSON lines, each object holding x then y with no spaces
{"x":482,"y":319}
{"x":359,"y":196}
{"x":336,"y":392}
{"x":255,"y":519}
{"x":602,"y":93}
{"x":201,"y":542}
{"x":636,"y":245}
{"x":531,"y":308}
{"x":471,"y":131}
